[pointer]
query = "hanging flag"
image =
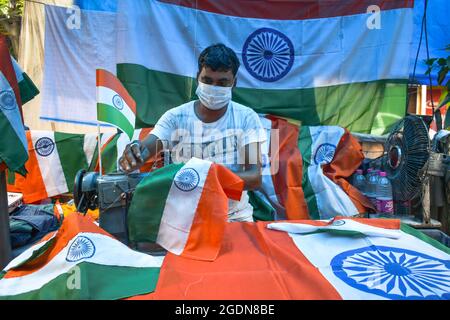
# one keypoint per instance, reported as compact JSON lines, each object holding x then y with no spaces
{"x":56,"y":157}
{"x":265,"y":264}
{"x":13,"y":146}
{"x":326,"y":192}
{"x":184,"y":208}
{"x":114,"y":105}
{"x":79,"y":261}
{"x":321,"y":62}
{"x":27,"y":88}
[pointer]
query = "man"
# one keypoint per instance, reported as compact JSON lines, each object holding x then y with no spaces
{"x":212,"y":128}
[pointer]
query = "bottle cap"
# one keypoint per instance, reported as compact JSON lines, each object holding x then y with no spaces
{"x":359,"y":171}
{"x":369,"y":170}
{"x":383,"y":174}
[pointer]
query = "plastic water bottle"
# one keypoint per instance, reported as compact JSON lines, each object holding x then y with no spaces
{"x":372,"y":181}
{"x":385,"y":203}
{"x":359,"y":181}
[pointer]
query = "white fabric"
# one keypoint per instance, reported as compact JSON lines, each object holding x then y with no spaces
{"x":71,"y":58}
{"x":222,"y":141}
{"x":337,"y":225}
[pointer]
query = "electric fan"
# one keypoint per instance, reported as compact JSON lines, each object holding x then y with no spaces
{"x":407,"y":150}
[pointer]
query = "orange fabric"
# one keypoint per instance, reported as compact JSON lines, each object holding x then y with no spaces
{"x":288,"y":180}
{"x":107,"y":79}
{"x":254,"y":263}
{"x":71,"y":226}
{"x":32,"y":187}
{"x":206,"y":234}
{"x":347,"y":159}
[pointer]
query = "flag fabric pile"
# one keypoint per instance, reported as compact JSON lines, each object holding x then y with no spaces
{"x":13,"y":147}
{"x":79,"y":261}
{"x":369,"y":259}
{"x":184,"y":208}
{"x":114,"y":105}
{"x":305,"y":170}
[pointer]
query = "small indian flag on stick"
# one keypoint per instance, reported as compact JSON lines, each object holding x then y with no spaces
{"x":114,"y":104}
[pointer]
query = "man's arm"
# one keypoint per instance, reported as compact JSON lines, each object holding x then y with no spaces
{"x":251,"y":170}
{"x":136,"y":154}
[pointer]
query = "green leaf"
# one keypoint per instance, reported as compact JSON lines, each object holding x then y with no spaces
{"x":442,"y":62}
{"x":430,"y":62}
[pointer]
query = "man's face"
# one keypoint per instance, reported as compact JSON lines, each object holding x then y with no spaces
{"x":216,"y":78}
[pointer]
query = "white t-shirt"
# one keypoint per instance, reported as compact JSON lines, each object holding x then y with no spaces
{"x":222,"y":141}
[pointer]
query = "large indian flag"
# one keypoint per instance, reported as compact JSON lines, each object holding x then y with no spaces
{"x":321,"y":62}
{"x":184,"y":208}
{"x":79,"y":261}
{"x":114,"y":105}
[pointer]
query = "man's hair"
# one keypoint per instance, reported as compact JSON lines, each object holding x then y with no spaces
{"x":218,"y":57}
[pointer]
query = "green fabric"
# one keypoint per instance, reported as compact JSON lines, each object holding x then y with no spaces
{"x":71,"y":154}
{"x":360,"y":107}
{"x":262,"y":211}
{"x":304,"y":145}
{"x":109,"y":156}
{"x":110,"y":114}
{"x":148,"y":203}
{"x":13,"y":152}
{"x":98,"y":282}
{"x":422,"y":236}
{"x":27,"y":89}
{"x":11,"y":177}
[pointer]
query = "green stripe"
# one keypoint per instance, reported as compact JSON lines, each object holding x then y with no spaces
{"x":360,"y":107}
{"x":71,"y":154}
{"x":97,"y":282}
{"x":262,"y":211}
{"x":305,"y":145}
{"x":422,"y":236}
{"x":27,"y":89}
{"x":11,"y":177}
{"x":12,"y":151}
{"x":113,"y":116}
{"x":147,"y":205}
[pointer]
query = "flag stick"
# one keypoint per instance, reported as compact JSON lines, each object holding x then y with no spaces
{"x":99,"y":148}
{"x":5,"y":241}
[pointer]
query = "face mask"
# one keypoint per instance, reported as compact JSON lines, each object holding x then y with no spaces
{"x":213,"y":97}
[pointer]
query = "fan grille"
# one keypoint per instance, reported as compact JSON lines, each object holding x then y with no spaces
{"x":407,"y":148}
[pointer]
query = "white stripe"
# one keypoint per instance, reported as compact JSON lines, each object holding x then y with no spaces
{"x":24,"y":256}
{"x":321,"y":248}
{"x":108,"y":252}
{"x":331,"y":199}
{"x":180,"y":209}
{"x":121,"y":145}
{"x":328,"y":51}
{"x":105,"y":95}
{"x":89,"y":146}
{"x":13,"y":115}
{"x":49,"y":164}
{"x":339,"y":225}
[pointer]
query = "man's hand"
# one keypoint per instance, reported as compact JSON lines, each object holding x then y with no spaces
{"x":132,"y":157}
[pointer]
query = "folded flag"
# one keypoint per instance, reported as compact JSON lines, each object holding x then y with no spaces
{"x":79,"y":261}
{"x":27,"y":88}
{"x":13,"y":148}
{"x":114,"y":105}
{"x":407,"y":267}
{"x":341,"y":227}
{"x":184,"y":207}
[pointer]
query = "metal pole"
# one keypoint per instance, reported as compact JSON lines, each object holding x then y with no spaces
{"x":5,"y":241}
